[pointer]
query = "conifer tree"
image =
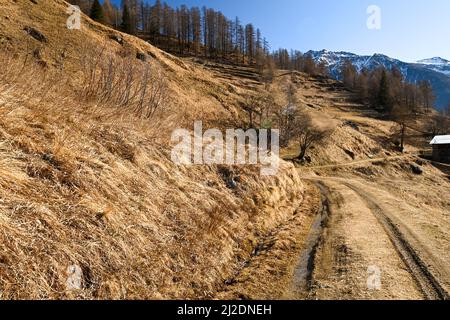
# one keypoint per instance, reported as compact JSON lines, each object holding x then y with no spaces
{"x":383,"y":93}
{"x":126,"y":20}
{"x":97,"y":12}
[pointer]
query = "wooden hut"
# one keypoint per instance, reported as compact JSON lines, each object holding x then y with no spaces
{"x":441,"y":148}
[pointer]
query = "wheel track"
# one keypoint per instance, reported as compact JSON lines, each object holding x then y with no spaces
{"x":303,"y":277}
{"x":426,"y":280}
{"x":428,"y":283}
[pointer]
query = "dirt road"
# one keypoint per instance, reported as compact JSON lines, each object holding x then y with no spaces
{"x":365,"y":161}
{"x":364,"y":251}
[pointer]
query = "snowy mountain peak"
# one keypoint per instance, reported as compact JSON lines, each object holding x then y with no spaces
{"x":434,"y":61}
{"x":383,"y":56}
{"x":436,"y":70}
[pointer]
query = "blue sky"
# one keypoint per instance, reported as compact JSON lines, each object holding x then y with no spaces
{"x":410,"y":29}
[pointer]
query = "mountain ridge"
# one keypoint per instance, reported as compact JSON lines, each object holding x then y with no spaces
{"x":436,"y":69}
{"x":434,"y":61}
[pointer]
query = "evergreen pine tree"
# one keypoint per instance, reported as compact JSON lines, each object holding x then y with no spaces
{"x":126,"y":20}
{"x":383,"y":93}
{"x":97,"y":12}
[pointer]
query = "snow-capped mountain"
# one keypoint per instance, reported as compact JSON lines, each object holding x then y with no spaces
{"x":334,"y":61}
{"x":436,"y":70}
{"x":437,"y":64}
{"x":434,"y":61}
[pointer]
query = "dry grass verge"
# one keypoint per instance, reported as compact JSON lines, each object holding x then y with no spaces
{"x":269,"y":273}
{"x":87,"y":187}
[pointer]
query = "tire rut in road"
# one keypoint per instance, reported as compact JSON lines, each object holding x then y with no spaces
{"x":303,"y":277}
{"x":427,"y":282}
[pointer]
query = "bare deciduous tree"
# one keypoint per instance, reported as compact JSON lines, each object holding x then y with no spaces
{"x":402,"y":116}
{"x":115,"y":82}
{"x":308,"y":135}
{"x":298,"y":127}
{"x":427,"y":94}
{"x":439,"y":124}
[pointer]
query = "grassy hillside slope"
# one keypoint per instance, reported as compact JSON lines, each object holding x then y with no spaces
{"x":87,"y":185}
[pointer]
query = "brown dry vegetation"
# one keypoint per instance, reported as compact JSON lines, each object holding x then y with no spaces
{"x":86,"y":177}
{"x":366,"y":175}
{"x":85,"y":171}
{"x":268,"y":274}
{"x":362,"y":170}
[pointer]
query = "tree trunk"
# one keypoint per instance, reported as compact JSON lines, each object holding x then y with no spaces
{"x":402,"y":139}
{"x":302,"y":154}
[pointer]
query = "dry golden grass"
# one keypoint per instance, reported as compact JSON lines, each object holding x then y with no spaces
{"x":88,"y":182}
{"x":195,"y":93}
{"x":268,"y":274}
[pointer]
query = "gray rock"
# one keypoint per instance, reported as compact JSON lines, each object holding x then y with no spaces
{"x":141,"y":56}
{"x":416,"y":169}
{"x":350,"y":153}
{"x":36,"y":34}
{"x":116,"y":38}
